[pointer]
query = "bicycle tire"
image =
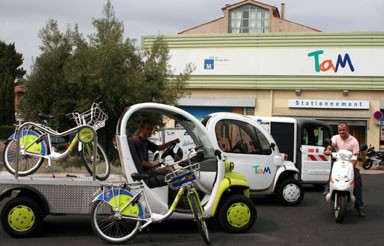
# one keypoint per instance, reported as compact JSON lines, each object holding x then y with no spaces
{"x":112,"y":228}
{"x":200,"y":221}
{"x":102,"y":164}
{"x":28,"y":164}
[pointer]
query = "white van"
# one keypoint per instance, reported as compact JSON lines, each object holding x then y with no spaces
{"x":303,"y":141}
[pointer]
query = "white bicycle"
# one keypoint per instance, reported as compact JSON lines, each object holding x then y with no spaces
{"x":121,"y":211}
{"x":33,"y":143}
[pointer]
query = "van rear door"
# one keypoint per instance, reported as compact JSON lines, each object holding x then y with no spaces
{"x":314,"y":165}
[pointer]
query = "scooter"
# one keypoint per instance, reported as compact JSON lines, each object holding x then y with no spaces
{"x":341,"y":184}
{"x":373,"y":157}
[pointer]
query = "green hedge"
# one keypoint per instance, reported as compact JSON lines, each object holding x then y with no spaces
{"x":6,"y":131}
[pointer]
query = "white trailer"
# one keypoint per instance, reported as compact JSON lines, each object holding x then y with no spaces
{"x":28,"y":200}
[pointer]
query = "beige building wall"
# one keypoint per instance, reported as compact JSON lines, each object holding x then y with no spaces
{"x":275,"y":103}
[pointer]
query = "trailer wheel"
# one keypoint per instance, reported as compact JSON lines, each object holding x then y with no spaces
{"x":290,"y":192}
{"x":21,"y":217}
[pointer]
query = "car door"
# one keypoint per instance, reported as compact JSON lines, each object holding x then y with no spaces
{"x":246,"y":144}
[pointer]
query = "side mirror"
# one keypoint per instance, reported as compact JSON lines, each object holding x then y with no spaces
{"x":273,"y":146}
{"x":218,"y":153}
{"x":327,"y":142}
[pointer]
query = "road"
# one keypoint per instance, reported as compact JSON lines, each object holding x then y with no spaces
{"x":310,"y":223}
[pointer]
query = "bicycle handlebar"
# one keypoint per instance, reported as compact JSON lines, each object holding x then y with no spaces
{"x":192,"y":152}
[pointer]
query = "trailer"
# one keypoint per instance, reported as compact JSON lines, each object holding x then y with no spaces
{"x":28,"y":200}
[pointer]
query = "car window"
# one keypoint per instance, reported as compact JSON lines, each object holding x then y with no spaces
{"x":240,"y":137}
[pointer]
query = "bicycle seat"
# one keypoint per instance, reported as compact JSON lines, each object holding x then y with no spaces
{"x":43,"y":116}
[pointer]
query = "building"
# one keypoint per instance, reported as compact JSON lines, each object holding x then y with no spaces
{"x":249,"y":16}
{"x":286,"y":69}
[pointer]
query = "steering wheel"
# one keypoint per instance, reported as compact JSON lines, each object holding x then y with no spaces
{"x":237,"y":145}
{"x":169,"y":151}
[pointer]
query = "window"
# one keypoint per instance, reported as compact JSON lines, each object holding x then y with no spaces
{"x":315,"y":135}
{"x":239,"y":137}
{"x":249,"y":111}
{"x":249,"y":19}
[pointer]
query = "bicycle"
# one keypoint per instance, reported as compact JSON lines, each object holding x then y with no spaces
{"x":121,"y":211}
{"x":33,"y":142}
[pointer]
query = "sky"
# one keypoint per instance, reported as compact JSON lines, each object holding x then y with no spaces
{"x":21,"y":20}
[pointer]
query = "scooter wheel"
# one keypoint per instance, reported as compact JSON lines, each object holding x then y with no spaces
{"x":367,"y":164}
{"x":341,"y":209}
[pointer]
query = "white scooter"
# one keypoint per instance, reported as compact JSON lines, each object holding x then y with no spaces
{"x":341,"y":184}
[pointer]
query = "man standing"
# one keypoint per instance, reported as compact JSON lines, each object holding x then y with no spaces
{"x":344,"y":140}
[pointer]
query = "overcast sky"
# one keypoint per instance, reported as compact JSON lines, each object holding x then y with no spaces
{"x":21,"y":20}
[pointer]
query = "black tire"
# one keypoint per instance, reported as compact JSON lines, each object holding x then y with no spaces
{"x":28,"y":164}
{"x":367,"y":164}
{"x":237,"y":214}
{"x":341,"y":208}
{"x":22,"y":217}
{"x":111,"y":228}
{"x":290,"y":192}
{"x":102,"y":164}
{"x":200,"y":220}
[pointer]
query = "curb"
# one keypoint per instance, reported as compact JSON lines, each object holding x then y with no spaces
{"x":371,"y":171}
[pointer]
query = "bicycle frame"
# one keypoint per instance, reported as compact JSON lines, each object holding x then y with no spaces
{"x":134,"y":208}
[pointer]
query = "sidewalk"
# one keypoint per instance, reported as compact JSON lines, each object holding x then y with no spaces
{"x":373,"y":170}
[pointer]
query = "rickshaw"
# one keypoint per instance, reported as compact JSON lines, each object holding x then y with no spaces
{"x":224,"y":195}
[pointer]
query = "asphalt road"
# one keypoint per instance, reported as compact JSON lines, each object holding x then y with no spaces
{"x":310,"y":223}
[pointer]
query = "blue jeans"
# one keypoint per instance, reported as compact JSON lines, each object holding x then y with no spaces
{"x":358,"y":189}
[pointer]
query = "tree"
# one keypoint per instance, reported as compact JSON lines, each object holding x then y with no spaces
{"x":105,"y":65}
{"x":10,"y":62}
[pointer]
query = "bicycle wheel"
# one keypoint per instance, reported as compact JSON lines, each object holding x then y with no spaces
{"x":28,"y":164}
{"x":110,"y":226}
{"x":102,"y":164}
{"x":200,"y":221}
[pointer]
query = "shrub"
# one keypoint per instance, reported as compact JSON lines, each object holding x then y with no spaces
{"x":6,"y":131}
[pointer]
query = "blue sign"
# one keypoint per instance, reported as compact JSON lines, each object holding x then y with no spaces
{"x":209,"y":64}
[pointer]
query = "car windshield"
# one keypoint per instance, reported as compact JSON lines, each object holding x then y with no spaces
{"x":198,"y":136}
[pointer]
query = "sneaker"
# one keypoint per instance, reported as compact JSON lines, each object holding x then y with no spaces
{"x":361,"y":212}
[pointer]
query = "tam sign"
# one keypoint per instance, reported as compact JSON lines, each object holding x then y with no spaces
{"x":279,"y":61}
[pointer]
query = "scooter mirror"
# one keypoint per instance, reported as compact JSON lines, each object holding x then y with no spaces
{"x":363,"y":147}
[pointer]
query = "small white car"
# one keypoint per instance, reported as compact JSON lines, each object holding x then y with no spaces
{"x":255,"y":154}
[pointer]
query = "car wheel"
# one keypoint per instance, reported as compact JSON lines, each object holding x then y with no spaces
{"x":290,"y":192}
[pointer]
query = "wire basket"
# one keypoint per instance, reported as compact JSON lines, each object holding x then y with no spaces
{"x":183,"y":176}
{"x":94,"y":117}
